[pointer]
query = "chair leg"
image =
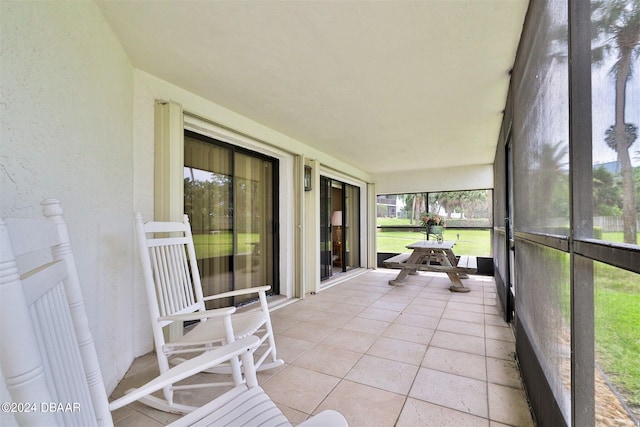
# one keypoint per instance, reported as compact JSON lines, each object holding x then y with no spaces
{"x":275,"y":362}
{"x":164,"y":406}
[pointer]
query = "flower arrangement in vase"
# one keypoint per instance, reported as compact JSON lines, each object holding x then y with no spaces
{"x":434,"y":224}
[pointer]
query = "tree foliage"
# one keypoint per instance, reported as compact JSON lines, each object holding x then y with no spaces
{"x":607,"y":195}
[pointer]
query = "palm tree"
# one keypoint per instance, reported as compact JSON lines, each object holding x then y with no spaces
{"x":416,"y":201}
{"x":617,"y":22}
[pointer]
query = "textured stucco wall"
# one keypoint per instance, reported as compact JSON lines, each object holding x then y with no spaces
{"x":66,"y":132}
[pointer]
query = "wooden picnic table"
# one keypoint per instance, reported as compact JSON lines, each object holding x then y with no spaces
{"x":427,"y":251}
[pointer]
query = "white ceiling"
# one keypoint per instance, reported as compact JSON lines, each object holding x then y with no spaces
{"x":384,"y":86}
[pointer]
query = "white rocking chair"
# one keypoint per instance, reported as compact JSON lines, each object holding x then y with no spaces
{"x":47,"y":354}
{"x":174,"y":294}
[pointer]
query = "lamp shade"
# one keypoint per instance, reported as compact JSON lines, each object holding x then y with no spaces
{"x":336,"y":218}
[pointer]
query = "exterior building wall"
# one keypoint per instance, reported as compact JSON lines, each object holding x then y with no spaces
{"x":66,"y":89}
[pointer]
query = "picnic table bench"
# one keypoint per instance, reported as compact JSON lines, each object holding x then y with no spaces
{"x":426,"y":252}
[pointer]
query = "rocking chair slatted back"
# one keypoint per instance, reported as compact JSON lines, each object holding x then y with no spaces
{"x":177,"y":283}
{"x":175,"y":290}
{"x":47,"y":353}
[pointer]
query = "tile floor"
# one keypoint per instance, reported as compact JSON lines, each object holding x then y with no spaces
{"x":416,"y":355}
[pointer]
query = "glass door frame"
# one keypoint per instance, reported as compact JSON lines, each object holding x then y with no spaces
{"x":275,"y":252}
{"x":336,"y":254}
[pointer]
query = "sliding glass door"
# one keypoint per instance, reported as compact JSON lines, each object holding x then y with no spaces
{"x":229,"y":196}
{"x":339,"y":227}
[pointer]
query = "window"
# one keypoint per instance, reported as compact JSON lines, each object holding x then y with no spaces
{"x":467,"y":214}
{"x":229,"y":196}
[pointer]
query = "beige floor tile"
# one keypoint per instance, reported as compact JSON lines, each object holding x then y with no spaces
{"x":300,"y":389}
{"x":500,"y":349}
{"x":468,"y":298}
{"x":464,"y":316}
{"x":369,"y":296}
{"x":150,"y":417}
{"x":143,"y":363}
{"x":384,"y":304}
{"x":409,"y":333}
{"x":463,"y":306}
{"x":503,"y":333}
{"x":309,"y":331}
{"x":491,"y":301}
{"x":493,"y":310}
{"x":411,"y":286}
{"x":356,"y":341}
{"x":369,"y":326}
{"x":503,"y":372}
{"x":378,"y":314}
{"x":280,"y":323}
{"x":342,"y":291}
{"x":311,"y":303}
{"x":364,"y":406}
{"x":118,"y":415}
{"x":458,"y":327}
{"x":289,"y":348}
{"x":419,"y":320}
{"x":290,"y":313}
{"x":456,"y":362}
{"x":139,"y":376}
{"x":328,"y":360}
{"x":294,"y":417}
{"x":509,"y":406}
{"x":342,"y":308}
{"x":405,"y":296}
{"x":399,"y":350}
{"x":425,"y":303}
{"x":384,"y":374}
{"x":424,"y":310}
{"x":453,"y":391}
{"x":494,"y":319}
{"x":329,"y":319}
{"x":138,"y":419}
{"x":418,"y":413}
{"x":459,"y":342}
{"x":364,"y":297}
{"x":361,"y":304}
{"x":431,"y":294}
{"x":330,"y":295}
{"x":410,"y":355}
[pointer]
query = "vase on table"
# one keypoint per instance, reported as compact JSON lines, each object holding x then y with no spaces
{"x":436,"y":230}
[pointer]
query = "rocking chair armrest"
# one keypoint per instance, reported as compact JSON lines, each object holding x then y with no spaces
{"x":200,"y":315}
{"x":238,"y":292}
{"x":188,"y":368}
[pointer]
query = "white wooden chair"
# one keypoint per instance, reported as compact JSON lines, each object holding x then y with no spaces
{"x":174,"y":294}
{"x":48,"y":358}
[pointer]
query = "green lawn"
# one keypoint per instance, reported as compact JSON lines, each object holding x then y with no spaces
{"x":617,"y":328}
{"x":617,"y":237}
{"x":468,"y":242}
{"x":221,"y":244}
